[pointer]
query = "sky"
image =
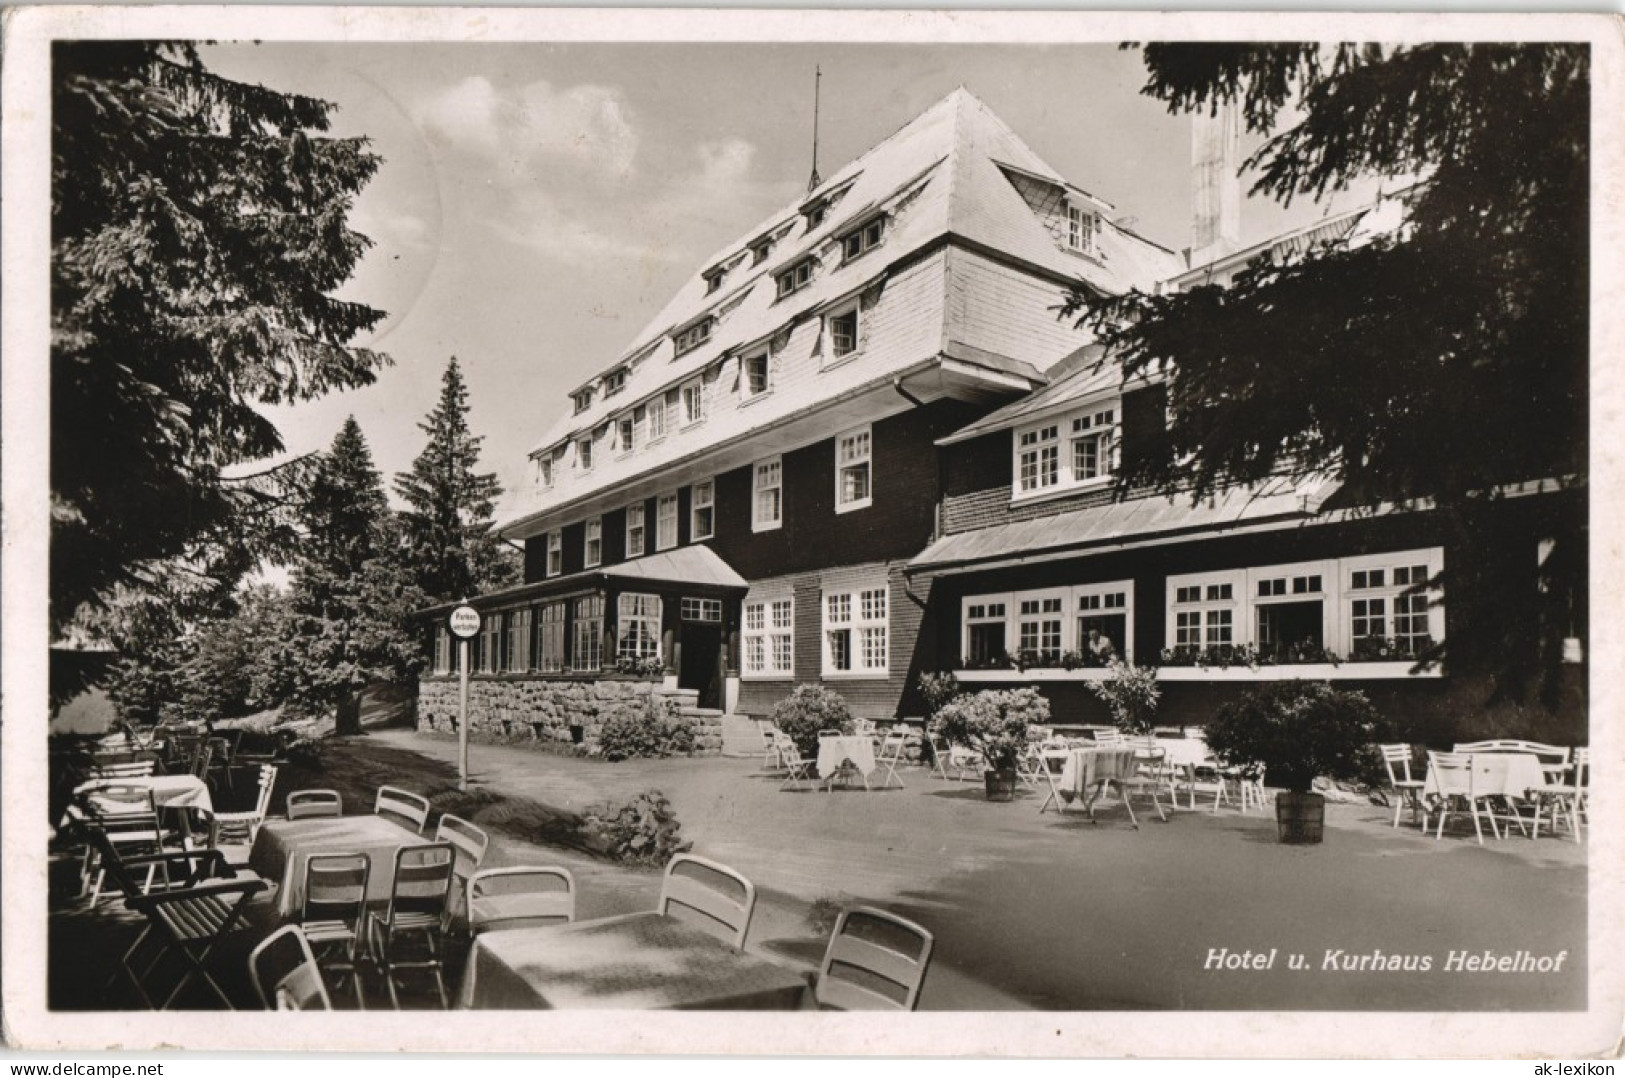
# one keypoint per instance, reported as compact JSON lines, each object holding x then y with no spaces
{"x":537,"y":204}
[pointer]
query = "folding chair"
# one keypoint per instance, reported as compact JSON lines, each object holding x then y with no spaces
{"x":1109,"y":737}
{"x":709,"y":896}
{"x":1452,"y":774}
{"x":224,"y":757}
{"x":1206,"y":777}
{"x":521,"y":897}
{"x":1250,"y":786}
{"x":944,"y":755}
{"x":241,"y":828}
{"x":333,"y":911}
{"x":203,"y":759}
{"x":116,"y":766}
{"x":770,"y":744}
{"x":1569,"y":798}
{"x":404,"y":806}
{"x":890,"y":756}
{"x":797,"y":770}
{"x":299,"y":986}
{"x":127,"y":817}
{"x":470,"y":843}
{"x":204,"y":903}
{"x":418,"y":896}
{"x":313,"y":804}
{"x":1052,"y":758}
{"x":1396,"y":759}
{"x":875,"y":961}
{"x":1145,"y":777}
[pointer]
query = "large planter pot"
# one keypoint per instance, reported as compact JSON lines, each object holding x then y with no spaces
{"x":1001,"y":785}
{"x":1300,"y":818}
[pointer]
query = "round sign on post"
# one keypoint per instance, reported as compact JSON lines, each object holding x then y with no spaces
{"x":464,"y":622}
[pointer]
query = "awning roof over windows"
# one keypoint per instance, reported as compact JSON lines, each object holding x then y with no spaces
{"x":1119,"y":525}
{"x":692,"y":567}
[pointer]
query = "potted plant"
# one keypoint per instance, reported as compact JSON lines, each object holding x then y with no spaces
{"x":1297,"y":731}
{"x":1131,"y":695}
{"x":994,"y":723}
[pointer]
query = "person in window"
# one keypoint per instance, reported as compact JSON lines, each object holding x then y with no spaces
{"x":1101,"y":650}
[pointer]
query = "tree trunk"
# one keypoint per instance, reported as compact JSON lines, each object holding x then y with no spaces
{"x":348,"y":720}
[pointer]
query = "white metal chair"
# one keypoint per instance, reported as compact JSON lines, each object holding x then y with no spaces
{"x":1110,"y":737}
{"x":1396,"y":758}
{"x":1567,"y":800}
{"x":525,"y":896}
{"x":120,"y":766}
{"x":404,"y":805}
{"x":1052,"y":757}
{"x":875,"y":961}
{"x":241,"y":828}
{"x":470,"y":843}
{"x":1452,"y":778}
{"x":1146,"y":777}
{"x":314,"y":804}
{"x":1206,"y":777}
{"x":945,"y":755}
{"x":418,"y":896}
{"x":770,"y":744}
{"x":890,"y":757}
{"x":710,"y":896}
{"x":290,"y":987}
{"x":1250,"y":786}
{"x":334,"y":912}
{"x":797,"y":769}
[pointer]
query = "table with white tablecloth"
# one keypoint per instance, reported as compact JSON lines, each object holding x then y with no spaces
{"x":848,"y":749}
{"x":282,"y":848}
{"x":1087,"y":771}
{"x":1498,"y":774}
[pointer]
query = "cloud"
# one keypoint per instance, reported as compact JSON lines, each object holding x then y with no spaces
{"x":524,"y":134}
{"x":535,"y":219}
{"x":726,"y":162}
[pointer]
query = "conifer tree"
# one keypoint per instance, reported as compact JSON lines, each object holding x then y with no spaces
{"x":450,"y":505}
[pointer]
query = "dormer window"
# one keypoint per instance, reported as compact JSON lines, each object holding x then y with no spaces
{"x":614,"y":381}
{"x":859,"y":240}
{"x":760,"y":250}
{"x":691,"y":338}
{"x":713,"y":278}
{"x":1068,"y":452}
{"x":583,"y":400}
{"x":584,"y":454}
{"x":1082,"y":229}
{"x":544,"y":472}
{"x":795,"y":278}
{"x":816,"y":215}
{"x":753,"y":375}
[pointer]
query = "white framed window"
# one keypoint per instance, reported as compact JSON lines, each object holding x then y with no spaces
{"x":854,"y":452}
{"x":845,"y":330}
{"x":544,"y":472}
{"x":582,"y":399}
{"x":714,"y":279}
{"x":587,"y":650}
{"x":691,"y":338}
{"x":657,"y":418}
{"x":666,"y":521}
{"x":1083,"y":625}
{"x":626,"y":433}
{"x":769,"y":638}
{"x":584,"y":454}
{"x":1206,"y":610}
{"x":863,"y":239}
{"x":637,"y":626}
{"x":1291,"y":609}
{"x":1040,"y":627}
{"x":442,"y":650}
{"x":1069,"y":452}
{"x":1389,"y":609}
{"x":706,"y":610}
{"x":1082,"y":229}
{"x":555,"y":552}
{"x":1103,"y":626}
{"x":753,"y":375}
{"x":635,"y":532}
{"x":593,"y":548}
{"x":516,"y":660}
{"x":693,"y":402}
{"x":1038,"y":458}
{"x":490,"y":643}
{"x":856,"y":631}
{"x":550,"y":640}
{"x":795,"y":278}
{"x":767,"y":510}
{"x":985,"y":640}
{"x":702,"y":512}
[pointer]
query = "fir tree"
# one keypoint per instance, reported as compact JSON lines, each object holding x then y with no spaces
{"x":450,"y":545}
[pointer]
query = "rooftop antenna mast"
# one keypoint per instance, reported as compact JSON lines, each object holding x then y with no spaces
{"x":814,"y":181}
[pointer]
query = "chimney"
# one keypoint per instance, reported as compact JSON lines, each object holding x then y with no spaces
{"x":1215,"y":184}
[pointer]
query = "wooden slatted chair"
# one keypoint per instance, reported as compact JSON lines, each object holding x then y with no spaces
{"x":117,"y":766}
{"x":525,"y":896}
{"x":241,"y":828}
{"x":402,"y":806}
{"x":875,"y":961}
{"x":126,"y":817}
{"x":203,"y":904}
{"x":1407,"y":789}
{"x":314,"y":804}
{"x":333,"y":911}
{"x":710,"y":896}
{"x":295,"y":986}
{"x":418,"y":895}
{"x":1567,"y":800}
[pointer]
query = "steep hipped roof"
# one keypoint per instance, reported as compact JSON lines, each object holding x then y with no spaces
{"x":950,"y":172}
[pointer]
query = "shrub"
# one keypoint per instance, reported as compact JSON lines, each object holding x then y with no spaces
{"x":651,"y":732}
{"x":1298,"y":730}
{"x":807,"y":710}
{"x":1131,"y":695}
{"x":936,"y":690}
{"x":645,"y":830}
{"x":992,"y":722}
{"x":304,"y":752}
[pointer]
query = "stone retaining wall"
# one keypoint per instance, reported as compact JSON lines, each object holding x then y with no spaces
{"x":564,"y":716}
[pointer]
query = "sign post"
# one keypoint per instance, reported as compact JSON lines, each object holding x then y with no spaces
{"x":464,"y":623}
